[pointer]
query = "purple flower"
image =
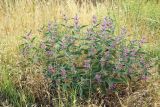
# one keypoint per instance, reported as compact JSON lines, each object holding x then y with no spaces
{"x":123,"y":31}
{"x":51,"y":69}
{"x":126,"y":51}
{"x":28,"y":35}
{"x":63,"y":44}
{"x":63,"y":72}
{"x":43,"y":46}
{"x":49,"y":53}
{"x":76,"y":17}
{"x":87,"y":64}
{"x":107,"y":24}
{"x":113,"y":45}
{"x":120,"y":66}
{"x":117,"y":39}
{"x":98,"y":78}
{"x":143,"y":40}
{"x":144,"y":77}
{"x":104,"y":25}
{"x":94,"y":20}
{"x":112,"y":87}
{"x":76,"y":22}
{"x":142,"y":60}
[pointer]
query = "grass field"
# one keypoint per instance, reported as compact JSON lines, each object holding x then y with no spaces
{"x":20,"y":87}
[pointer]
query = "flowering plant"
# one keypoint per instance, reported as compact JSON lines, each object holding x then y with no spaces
{"x":88,"y":57}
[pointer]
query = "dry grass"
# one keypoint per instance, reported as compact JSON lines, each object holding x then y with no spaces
{"x":148,"y":93}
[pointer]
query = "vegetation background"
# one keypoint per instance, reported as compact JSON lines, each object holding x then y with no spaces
{"x":17,"y":17}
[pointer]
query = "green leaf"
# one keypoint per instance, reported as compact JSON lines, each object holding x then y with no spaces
{"x":33,"y":39}
{"x":79,"y":67}
{"x":125,"y":80}
{"x":115,"y":80}
{"x":83,"y":26}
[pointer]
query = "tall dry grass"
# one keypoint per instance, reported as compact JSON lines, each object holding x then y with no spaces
{"x":20,"y":16}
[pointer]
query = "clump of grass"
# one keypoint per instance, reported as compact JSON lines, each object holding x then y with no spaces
{"x":10,"y":93}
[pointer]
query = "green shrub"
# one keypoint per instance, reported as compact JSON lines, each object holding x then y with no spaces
{"x":86,"y":59}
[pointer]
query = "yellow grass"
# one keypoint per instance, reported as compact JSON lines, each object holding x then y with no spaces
{"x":23,"y":15}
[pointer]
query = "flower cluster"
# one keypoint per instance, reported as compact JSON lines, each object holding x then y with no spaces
{"x":107,"y":24}
{"x":76,"y":22}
